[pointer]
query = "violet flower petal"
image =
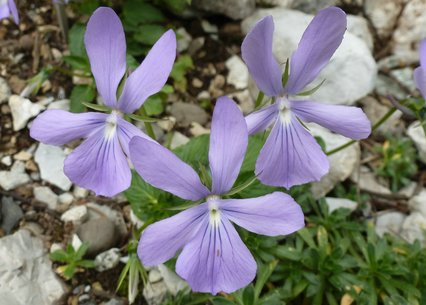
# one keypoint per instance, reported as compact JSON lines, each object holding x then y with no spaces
{"x":163,"y":169}
{"x":151,"y":75}
{"x":420,"y":80}
{"x":273,"y":214}
{"x":58,"y":127}
{"x":126,"y":132}
{"x":348,"y":121}
{"x":14,"y":11}
{"x":4,"y":11}
{"x":228,"y":144}
{"x":422,"y":51}
{"x":216,"y":260}
{"x":256,"y":51}
{"x":106,"y":48}
{"x":99,"y":164}
{"x":290,"y":156}
{"x":319,"y":42}
{"x":160,"y":241}
{"x":261,"y":119}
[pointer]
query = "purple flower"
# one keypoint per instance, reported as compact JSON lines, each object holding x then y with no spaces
{"x":420,"y":72}
{"x":100,"y":163}
{"x":291,"y":156}
{"x":213,"y":258}
{"x":8,"y":8}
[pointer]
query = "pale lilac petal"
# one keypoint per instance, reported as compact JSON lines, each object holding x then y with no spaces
{"x":420,"y":80}
{"x":423,"y":53}
{"x":216,"y":260}
{"x":161,"y":168}
{"x":151,"y":75}
{"x":256,"y":51}
{"x":228,"y":144}
{"x":348,"y":121}
{"x":4,"y":11}
{"x":99,"y":164}
{"x":14,"y":11}
{"x":160,"y":241}
{"x":58,"y":127}
{"x":290,"y":156}
{"x":319,"y":42}
{"x":272,"y":215}
{"x":260,"y":120}
{"x":106,"y":48}
{"x":126,"y":131}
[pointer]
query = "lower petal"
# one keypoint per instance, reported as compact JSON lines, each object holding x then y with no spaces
{"x":261,"y":119}
{"x":420,"y":80}
{"x":216,"y":260}
{"x":160,"y":241}
{"x":99,"y":164}
{"x":290,"y":156}
{"x":14,"y":11}
{"x":126,"y":131}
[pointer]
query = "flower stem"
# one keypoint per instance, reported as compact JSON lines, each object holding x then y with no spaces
{"x":375,"y":126}
{"x":148,"y":126}
{"x":259,"y":99}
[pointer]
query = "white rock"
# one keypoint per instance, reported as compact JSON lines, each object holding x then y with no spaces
{"x":414,"y":228}
{"x":281,"y":3}
{"x":349,"y":76}
{"x":390,"y":222}
{"x":135,"y":220}
{"x":47,"y":196}
{"x":107,"y":260}
{"x":15,"y":177}
{"x":100,"y":211}
{"x":178,"y":140}
{"x":76,"y":215}
{"x":66,"y":199}
{"x":245,"y":100}
{"x":50,"y":160}
{"x":337,"y":203}
{"x":416,"y":133}
{"x":418,"y":203}
{"x":4,"y":90}
{"x":173,"y":282}
{"x":61,"y":104}
{"x":358,"y":26}
{"x":196,"y":129}
{"x":366,"y":181}
{"x":408,"y":190}
{"x":238,"y":74}
{"x":383,"y":14}
{"x":22,"y":110}
{"x":6,"y":160}
{"x":231,"y":8}
{"x":55,"y":247}
{"x":167,"y":124}
{"x":208,"y":27}
{"x":183,"y":39}
{"x":26,"y":274}
{"x":76,"y":242}
{"x":23,"y":156}
{"x":80,"y":192}
{"x":154,"y":276}
{"x":342,"y":163}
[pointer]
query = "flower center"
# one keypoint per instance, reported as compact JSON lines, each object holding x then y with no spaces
{"x":284,"y":110}
{"x":111,"y":125}
{"x":214,"y":211}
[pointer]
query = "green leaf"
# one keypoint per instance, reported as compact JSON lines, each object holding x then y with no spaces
{"x":69,"y":271}
{"x":78,"y":63}
{"x":138,"y":11}
{"x":195,"y":152}
{"x":311,"y":91}
{"x":59,"y":256}
{"x":132,"y":63}
{"x":287,"y":252}
{"x":154,"y":104}
{"x":182,"y":65}
{"x":79,"y":254}
{"x":76,"y":40}
{"x":307,"y":237}
{"x":248,"y":295}
{"x":79,"y":95}
{"x":222,"y":301}
{"x":263,"y":274}
{"x":286,"y":74}
{"x":143,"y":118}
{"x":97,"y":107}
{"x":86,"y":263}
{"x":255,"y":144}
{"x":148,"y":34}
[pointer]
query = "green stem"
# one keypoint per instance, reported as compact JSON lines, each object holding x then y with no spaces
{"x":375,"y":126}
{"x":259,"y":99}
{"x":69,"y":72}
{"x":148,"y":126}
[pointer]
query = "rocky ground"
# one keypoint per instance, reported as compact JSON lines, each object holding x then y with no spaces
{"x":41,"y":210}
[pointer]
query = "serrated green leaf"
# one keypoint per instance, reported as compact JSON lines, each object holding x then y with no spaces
{"x":79,"y":95}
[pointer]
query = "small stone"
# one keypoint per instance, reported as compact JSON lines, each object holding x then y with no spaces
{"x":367,"y":181}
{"x":76,"y":215}
{"x":416,"y":133}
{"x":80,"y":192}
{"x":114,"y":302}
{"x":238,"y":74}
{"x":383,"y":14}
{"x":55,"y":247}
{"x":99,"y":233}
{"x":23,"y":156}
{"x":50,"y":160}
{"x":414,"y":227}
{"x":173,"y":282}
{"x":178,"y":140}
{"x":102,"y":211}
{"x":76,"y":242}
{"x":231,"y":8}
{"x":4,"y":90}
{"x":245,"y":101}
{"x":6,"y":160}
{"x":197,"y":130}
{"x":108,"y":259}
{"x":337,"y":203}
{"x":216,"y":85}
{"x":167,"y":124}
{"x":11,"y":213}
{"x":183,"y":39}
{"x":66,"y":199}
{"x":208,"y":27}
{"x":22,"y":110}
{"x":154,"y":276}
{"x":197,"y":83}
{"x":15,"y":177}
{"x":47,"y":196}
{"x":135,"y":220}
{"x":61,"y":104}
{"x":196,"y":45}
{"x":390,"y":222}
{"x":418,"y":203}
{"x":186,"y":113}
{"x":375,"y":111}
{"x":203,"y":95}
{"x":358,"y":26}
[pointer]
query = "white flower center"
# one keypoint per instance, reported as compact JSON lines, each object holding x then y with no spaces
{"x":284,"y":109}
{"x":111,"y":125}
{"x":214,"y":211}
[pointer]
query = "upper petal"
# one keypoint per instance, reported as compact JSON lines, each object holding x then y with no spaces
{"x":420,"y":80}
{"x":319,"y":42}
{"x":4,"y":11}
{"x":99,"y":164}
{"x":345,"y":120}
{"x":106,"y":48}
{"x":163,"y":169}
{"x":160,"y":241}
{"x":151,"y":75}
{"x":256,"y":51}
{"x":228,"y":144}
{"x":422,"y":51}
{"x":272,"y":215}
{"x":290,"y":156}
{"x":126,"y":131}
{"x":216,"y":260}
{"x":14,"y":11}
{"x":58,"y":127}
{"x":261,"y":119}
